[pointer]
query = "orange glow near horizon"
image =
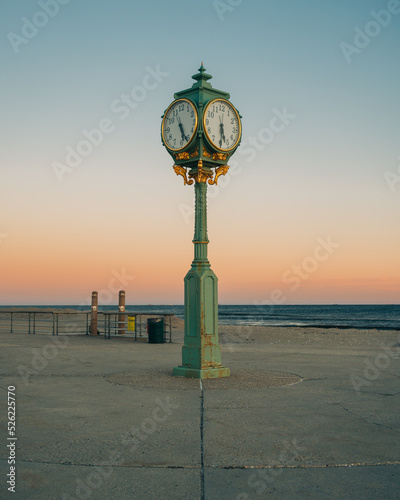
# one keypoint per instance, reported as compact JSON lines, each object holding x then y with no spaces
{"x":53,"y":262}
{"x":152,"y":271}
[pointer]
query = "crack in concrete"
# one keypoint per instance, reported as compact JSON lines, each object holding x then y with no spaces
{"x":368,"y":422}
{"x":303,"y":466}
{"x":225,"y":467}
{"x":202,"y":442}
{"x":366,"y":392}
{"x":141,"y":466}
{"x":384,"y":394}
{"x":44,"y":375}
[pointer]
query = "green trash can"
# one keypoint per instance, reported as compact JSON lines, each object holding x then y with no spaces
{"x":155,"y":330}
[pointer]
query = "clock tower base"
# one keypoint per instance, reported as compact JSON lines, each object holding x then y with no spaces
{"x":201,"y":352}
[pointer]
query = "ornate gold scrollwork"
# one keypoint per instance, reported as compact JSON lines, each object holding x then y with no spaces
{"x":182,"y":171}
{"x":222,"y":170}
{"x":182,"y":156}
{"x":201,"y":175}
{"x":206,"y":153}
{"x":220,"y":156}
{"x":195,"y":153}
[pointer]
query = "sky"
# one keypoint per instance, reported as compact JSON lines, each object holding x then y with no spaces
{"x":309,"y":210}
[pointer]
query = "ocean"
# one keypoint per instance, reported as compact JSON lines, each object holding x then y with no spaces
{"x":382,"y":317}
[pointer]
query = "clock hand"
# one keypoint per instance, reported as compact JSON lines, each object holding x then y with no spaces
{"x":221,"y":129}
{"x":184,"y":137}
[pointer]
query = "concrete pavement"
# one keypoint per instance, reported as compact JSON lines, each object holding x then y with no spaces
{"x":105,"y":419}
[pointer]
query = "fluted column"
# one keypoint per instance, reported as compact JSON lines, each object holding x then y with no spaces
{"x":200,"y":239}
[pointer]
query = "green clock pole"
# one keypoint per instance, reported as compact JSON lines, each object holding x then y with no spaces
{"x":201,"y":130}
{"x":201,"y":353}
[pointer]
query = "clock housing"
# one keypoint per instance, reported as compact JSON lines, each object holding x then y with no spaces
{"x":201,"y":147}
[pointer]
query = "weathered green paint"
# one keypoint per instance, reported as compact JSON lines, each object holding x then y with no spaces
{"x":201,"y":353}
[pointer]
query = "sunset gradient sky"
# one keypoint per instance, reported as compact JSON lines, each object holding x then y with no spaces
{"x":121,"y":218}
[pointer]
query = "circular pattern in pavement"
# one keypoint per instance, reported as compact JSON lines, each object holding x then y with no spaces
{"x":239,"y":379}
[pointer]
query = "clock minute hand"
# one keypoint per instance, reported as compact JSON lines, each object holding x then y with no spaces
{"x":182,"y":132}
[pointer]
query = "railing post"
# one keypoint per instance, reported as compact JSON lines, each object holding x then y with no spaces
{"x":136,"y":325}
{"x":93,"y":324}
{"x":121,"y":308}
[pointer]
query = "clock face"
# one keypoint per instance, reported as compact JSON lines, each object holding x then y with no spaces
{"x":179,"y":124}
{"x":222,"y":125}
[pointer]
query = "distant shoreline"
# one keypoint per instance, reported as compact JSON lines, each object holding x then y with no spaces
{"x":362,"y":317}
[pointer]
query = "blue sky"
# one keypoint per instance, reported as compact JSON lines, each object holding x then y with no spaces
{"x":323,"y":175}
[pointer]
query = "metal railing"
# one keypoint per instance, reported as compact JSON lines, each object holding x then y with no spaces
{"x":119,"y":324}
{"x":112,"y":324}
{"x":47,"y":322}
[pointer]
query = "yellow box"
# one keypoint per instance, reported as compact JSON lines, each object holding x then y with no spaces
{"x":131,"y":323}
